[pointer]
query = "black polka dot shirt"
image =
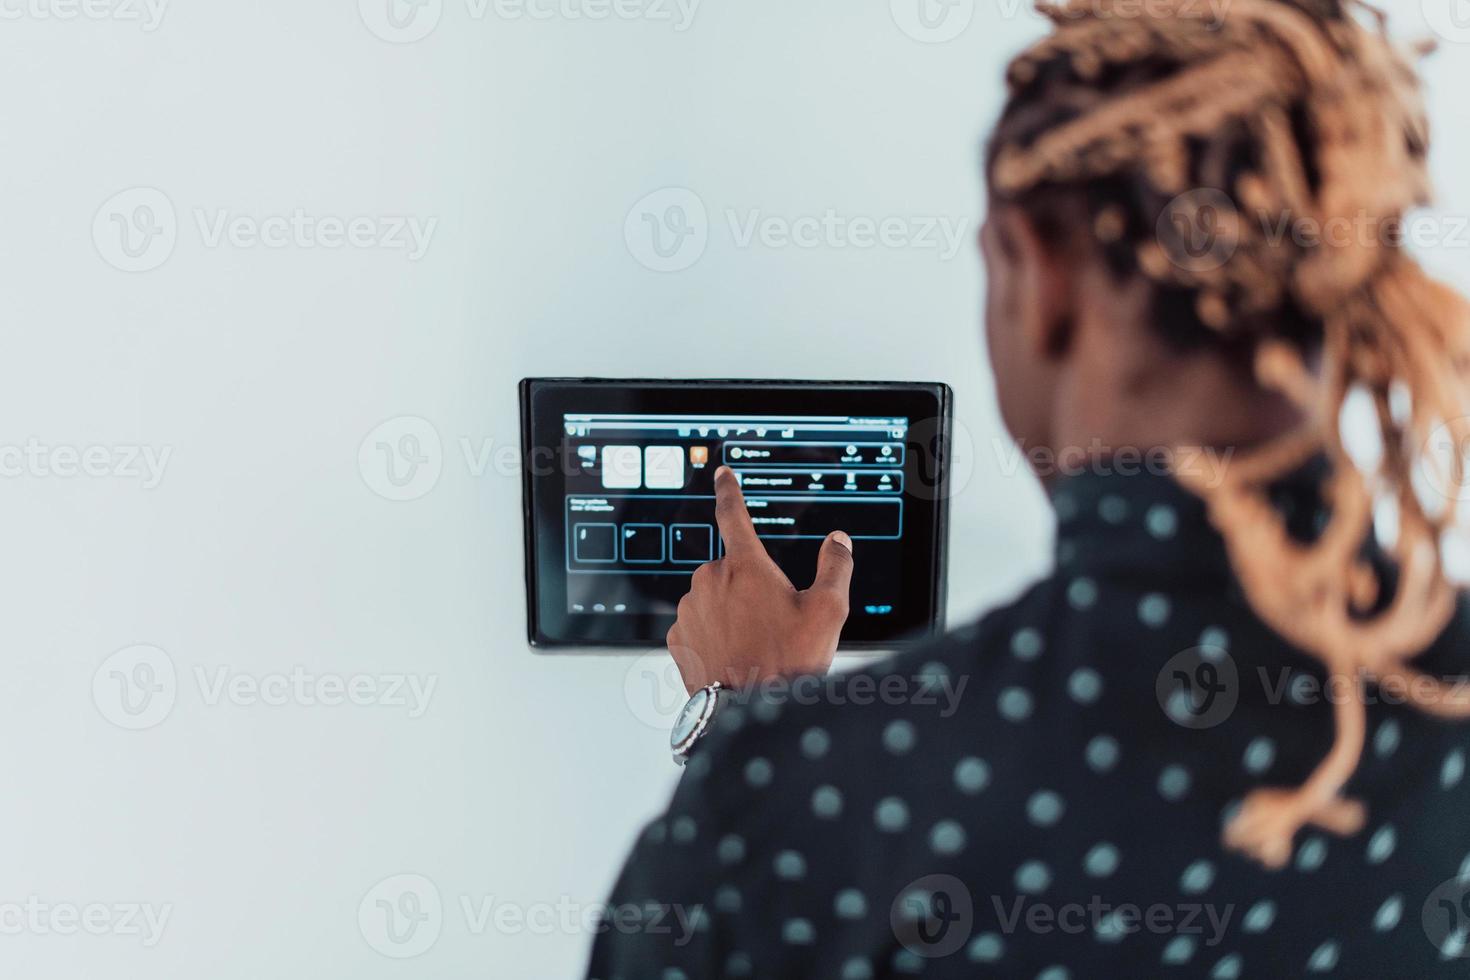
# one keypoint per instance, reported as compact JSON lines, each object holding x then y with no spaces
{"x":1042,"y":795}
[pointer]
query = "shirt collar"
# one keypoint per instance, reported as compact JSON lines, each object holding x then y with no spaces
{"x":1113,"y":518}
{"x":1110,"y":518}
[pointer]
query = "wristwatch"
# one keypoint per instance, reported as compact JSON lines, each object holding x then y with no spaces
{"x":696,"y":718}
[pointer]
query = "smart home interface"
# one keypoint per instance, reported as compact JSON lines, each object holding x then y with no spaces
{"x":621,"y":503}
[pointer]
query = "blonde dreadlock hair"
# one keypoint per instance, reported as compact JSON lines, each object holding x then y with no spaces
{"x":1170,"y":125}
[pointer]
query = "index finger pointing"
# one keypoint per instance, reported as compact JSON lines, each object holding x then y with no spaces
{"x":730,"y":513}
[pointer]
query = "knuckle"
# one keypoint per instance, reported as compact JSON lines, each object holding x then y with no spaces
{"x":831,"y":603}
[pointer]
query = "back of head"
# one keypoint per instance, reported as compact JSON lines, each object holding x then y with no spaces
{"x":1256,"y":169}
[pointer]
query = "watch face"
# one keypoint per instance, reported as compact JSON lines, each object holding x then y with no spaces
{"x":688,"y":719}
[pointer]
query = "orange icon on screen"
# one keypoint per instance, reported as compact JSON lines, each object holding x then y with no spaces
{"x":698,"y":455}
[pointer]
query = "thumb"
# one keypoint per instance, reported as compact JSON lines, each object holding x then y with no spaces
{"x":834,"y":565}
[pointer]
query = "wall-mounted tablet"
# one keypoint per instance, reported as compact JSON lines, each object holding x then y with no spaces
{"x":620,"y":508}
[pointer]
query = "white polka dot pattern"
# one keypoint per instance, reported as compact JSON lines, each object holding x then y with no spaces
{"x":809,"y":834}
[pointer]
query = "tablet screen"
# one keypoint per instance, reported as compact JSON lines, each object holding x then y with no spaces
{"x":620,"y":497}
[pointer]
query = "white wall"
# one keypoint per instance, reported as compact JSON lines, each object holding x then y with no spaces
{"x":264,"y":548}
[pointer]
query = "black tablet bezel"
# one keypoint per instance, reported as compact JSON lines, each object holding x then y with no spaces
{"x":928,"y":406}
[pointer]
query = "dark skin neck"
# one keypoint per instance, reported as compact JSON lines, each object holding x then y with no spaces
{"x":1080,"y":368}
{"x":1123,"y":385}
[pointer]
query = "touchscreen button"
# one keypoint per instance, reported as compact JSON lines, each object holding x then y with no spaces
{"x":643,"y":543}
{"x":692,"y":543}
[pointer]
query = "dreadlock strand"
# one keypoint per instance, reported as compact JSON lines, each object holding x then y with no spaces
{"x":1107,"y":138}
